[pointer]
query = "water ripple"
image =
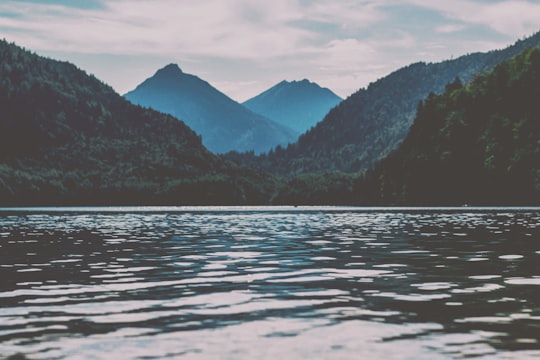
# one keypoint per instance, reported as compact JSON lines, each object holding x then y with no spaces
{"x":267,"y":282}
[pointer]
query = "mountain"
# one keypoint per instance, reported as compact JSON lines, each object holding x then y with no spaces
{"x":296,"y":104}
{"x":368,"y":125}
{"x":224,"y":124}
{"x":476,"y":144}
{"x":67,"y":138}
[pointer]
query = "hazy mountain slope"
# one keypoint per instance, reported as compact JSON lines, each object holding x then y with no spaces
{"x":66,"y":138}
{"x":476,"y":144}
{"x":368,"y":125}
{"x":223,"y":123}
{"x":296,"y":104}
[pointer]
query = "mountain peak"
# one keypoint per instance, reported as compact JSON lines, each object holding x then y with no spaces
{"x":294,"y":82}
{"x":298,"y":104}
{"x":169,"y":70}
{"x":223,"y":123}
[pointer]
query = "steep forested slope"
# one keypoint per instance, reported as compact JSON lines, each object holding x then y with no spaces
{"x":475,"y":144}
{"x":369,"y":124}
{"x":224,"y":124}
{"x":65,"y":137}
{"x":296,"y":104}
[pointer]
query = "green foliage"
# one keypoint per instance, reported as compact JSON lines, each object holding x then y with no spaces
{"x":317,"y":189}
{"x":66,"y":138}
{"x":474,"y":144}
{"x":371,"y":123}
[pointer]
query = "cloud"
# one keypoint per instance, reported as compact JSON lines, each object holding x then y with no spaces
{"x":213,"y":27}
{"x":342,"y":44}
{"x":284,"y":31}
{"x":350,"y":15}
{"x":450,"y":28}
{"x":513,"y":18}
{"x":232,"y":28}
{"x":83,"y":4}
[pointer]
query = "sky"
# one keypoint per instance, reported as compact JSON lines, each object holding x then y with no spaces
{"x":243,"y":47}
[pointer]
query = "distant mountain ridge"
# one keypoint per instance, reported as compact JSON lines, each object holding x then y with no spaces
{"x":223,"y":124}
{"x":369,"y":124}
{"x":296,"y":104}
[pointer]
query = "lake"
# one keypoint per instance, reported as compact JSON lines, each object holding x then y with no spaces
{"x":270,"y":282}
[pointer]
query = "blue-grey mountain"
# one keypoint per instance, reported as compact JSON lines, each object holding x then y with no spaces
{"x":296,"y":104}
{"x":224,"y":124}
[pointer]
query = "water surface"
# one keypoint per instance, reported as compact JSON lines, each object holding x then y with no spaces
{"x":244,"y":283}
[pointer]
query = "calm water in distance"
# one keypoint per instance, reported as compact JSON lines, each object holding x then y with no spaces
{"x":267,"y":283}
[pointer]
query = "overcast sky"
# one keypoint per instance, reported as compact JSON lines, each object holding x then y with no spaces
{"x":243,"y":47}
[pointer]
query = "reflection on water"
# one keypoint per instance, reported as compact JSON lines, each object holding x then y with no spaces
{"x":265,"y":282}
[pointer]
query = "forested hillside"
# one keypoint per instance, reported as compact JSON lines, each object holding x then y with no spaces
{"x":65,"y":137}
{"x":476,"y":144}
{"x":368,"y":125}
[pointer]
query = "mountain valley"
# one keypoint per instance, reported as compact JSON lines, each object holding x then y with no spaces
{"x":463,"y":131}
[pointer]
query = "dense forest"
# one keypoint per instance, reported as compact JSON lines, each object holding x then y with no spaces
{"x":67,"y":138}
{"x":372,"y":122}
{"x":475,"y":144}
